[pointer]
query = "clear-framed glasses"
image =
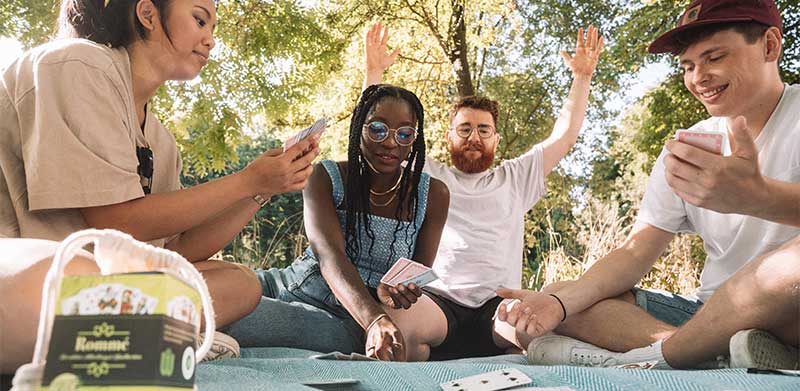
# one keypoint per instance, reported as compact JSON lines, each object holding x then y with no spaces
{"x":465,"y":130}
{"x":378,"y":132}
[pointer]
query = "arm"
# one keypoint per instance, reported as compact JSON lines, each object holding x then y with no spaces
{"x":617,"y":272}
{"x":328,"y":243}
{"x":570,"y":120}
{"x":731,"y":184}
{"x":209,"y":215}
{"x":376,"y":58}
{"x":430,"y":233}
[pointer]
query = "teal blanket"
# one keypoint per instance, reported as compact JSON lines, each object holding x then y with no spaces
{"x":285,"y":369}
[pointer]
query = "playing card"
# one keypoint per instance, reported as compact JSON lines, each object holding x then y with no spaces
{"x":421,"y":280}
{"x":396,"y":268}
{"x":638,"y":365}
{"x":110,"y":299}
{"x":314,"y":130}
{"x":343,"y":357}
{"x":70,"y":306}
{"x":146,"y":305}
{"x":88,"y":301}
{"x":411,"y":270}
{"x":490,"y":381}
{"x":406,"y":271}
{"x":182,"y":308}
{"x":330,"y":382}
{"x":130,"y":298}
{"x":714,"y":142}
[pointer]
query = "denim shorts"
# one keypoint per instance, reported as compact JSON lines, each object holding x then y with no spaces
{"x":667,"y":307}
{"x":302,"y":282}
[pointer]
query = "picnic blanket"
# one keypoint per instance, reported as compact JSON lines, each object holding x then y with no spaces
{"x":285,"y":369}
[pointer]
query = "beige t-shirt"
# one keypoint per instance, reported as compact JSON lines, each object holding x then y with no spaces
{"x":70,"y":132}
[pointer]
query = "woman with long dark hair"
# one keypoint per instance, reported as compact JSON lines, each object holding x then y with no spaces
{"x":361,"y":215}
{"x":81,"y":149}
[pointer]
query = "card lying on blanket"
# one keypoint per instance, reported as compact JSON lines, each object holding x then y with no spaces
{"x":331,"y":382}
{"x":406,"y":271}
{"x":490,"y":381}
{"x":638,"y":365}
{"x":714,"y":142}
{"x":343,"y":357}
{"x":313,"y":130}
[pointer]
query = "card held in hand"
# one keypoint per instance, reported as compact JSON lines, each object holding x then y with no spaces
{"x":314,"y":130}
{"x":709,"y":141}
{"x":406,"y":271}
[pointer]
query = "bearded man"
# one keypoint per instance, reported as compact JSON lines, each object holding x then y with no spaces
{"x":482,"y":242}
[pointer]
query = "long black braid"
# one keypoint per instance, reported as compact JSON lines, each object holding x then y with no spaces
{"x":357,"y":205}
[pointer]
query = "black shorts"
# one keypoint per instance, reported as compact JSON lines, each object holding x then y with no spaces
{"x":469,"y":330}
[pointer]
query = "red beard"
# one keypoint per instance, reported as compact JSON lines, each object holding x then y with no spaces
{"x":470,"y":166}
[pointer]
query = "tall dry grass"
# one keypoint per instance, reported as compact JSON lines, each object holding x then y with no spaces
{"x":600,"y":228}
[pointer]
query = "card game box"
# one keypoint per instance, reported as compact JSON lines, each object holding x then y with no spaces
{"x":123,"y":332}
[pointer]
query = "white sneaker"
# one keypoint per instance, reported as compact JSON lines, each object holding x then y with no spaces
{"x":560,"y":350}
{"x":223,"y":346}
{"x":759,"y":349}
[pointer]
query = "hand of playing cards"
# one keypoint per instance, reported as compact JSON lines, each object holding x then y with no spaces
{"x":710,"y":141}
{"x":400,"y":286}
{"x":406,"y":271}
{"x":311,"y":131}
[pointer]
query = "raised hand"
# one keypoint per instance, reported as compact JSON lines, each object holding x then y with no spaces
{"x":532,"y":313}
{"x":587,"y":52}
{"x":400,"y":296}
{"x":376,"y":52}
{"x":384,"y":341}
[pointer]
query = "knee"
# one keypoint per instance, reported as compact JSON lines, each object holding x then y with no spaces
{"x":775,"y":277}
{"x":251,"y":288}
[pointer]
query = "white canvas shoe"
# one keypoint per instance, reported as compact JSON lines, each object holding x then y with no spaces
{"x":561,"y":350}
{"x":759,"y":349}
{"x":223,"y":346}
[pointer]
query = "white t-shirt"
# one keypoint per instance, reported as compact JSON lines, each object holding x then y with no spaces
{"x":482,"y":241}
{"x":731,"y":240}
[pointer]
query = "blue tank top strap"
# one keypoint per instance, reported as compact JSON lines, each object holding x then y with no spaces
{"x":422,"y":193}
{"x":336,"y":180}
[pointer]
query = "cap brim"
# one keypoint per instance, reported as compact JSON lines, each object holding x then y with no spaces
{"x":664,"y":44}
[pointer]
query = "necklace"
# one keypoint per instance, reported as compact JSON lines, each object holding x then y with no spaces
{"x":391,"y":189}
{"x":371,"y":167}
{"x":383,"y":204}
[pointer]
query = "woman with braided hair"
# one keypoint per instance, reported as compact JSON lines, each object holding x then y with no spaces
{"x":361,"y":215}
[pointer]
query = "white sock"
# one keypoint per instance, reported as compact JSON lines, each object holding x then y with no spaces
{"x":647,"y":353}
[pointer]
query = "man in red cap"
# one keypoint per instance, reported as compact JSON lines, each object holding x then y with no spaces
{"x":744,"y":205}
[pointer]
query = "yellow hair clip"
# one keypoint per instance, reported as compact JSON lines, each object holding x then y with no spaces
{"x":105,"y":3}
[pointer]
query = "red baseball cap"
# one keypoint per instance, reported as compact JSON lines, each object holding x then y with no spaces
{"x":707,"y":12}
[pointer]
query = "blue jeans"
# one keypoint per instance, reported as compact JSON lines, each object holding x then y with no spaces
{"x":667,"y":307}
{"x":298,"y":310}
